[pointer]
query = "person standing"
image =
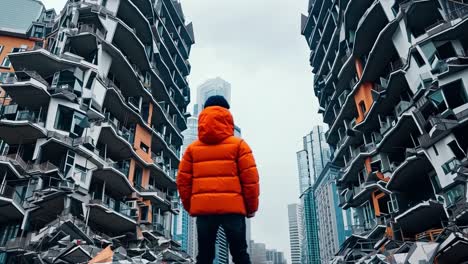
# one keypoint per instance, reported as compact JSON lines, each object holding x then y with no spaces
{"x":218,"y":182}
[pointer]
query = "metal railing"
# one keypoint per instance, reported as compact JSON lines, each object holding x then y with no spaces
{"x":11,"y":193}
{"x":121,"y":130}
{"x":160,"y":193}
{"x":23,"y":115}
{"x":176,"y":151}
{"x":90,"y":28}
{"x":113,"y":204}
{"x":461,"y":12}
{"x":429,"y":235}
{"x":36,"y":76}
{"x":121,"y":166}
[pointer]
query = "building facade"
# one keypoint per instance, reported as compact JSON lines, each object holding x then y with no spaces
{"x":334,"y":223}
{"x":295,"y":232}
{"x":92,"y":136}
{"x":311,"y":160}
{"x":310,"y":250}
{"x":391,"y":78}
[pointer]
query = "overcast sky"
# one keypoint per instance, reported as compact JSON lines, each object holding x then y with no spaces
{"x":256,"y":45}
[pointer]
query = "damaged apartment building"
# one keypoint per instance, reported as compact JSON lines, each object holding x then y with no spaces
{"x":391,"y":77}
{"x":90,"y":134}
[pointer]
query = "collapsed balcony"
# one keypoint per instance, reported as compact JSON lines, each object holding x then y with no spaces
{"x":454,"y":249}
{"x":421,"y":217}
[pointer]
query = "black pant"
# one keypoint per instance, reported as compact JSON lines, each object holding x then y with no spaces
{"x":235,"y":230}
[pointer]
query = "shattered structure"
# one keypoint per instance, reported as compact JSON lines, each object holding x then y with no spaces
{"x":392,"y":81}
{"x":90,"y":136}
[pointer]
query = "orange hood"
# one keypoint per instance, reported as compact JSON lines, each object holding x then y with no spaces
{"x":215,"y":124}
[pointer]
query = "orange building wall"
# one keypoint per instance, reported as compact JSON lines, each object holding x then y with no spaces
{"x":8,"y":44}
{"x":363,"y":94}
{"x":145,"y":176}
{"x":143,"y":136}
{"x":375,"y":200}
{"x":150,"y":114}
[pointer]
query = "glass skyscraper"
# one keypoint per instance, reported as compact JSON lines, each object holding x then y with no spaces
{"x":295,"y":232}
{"x":311,"y":161}
{"x":334,"y":223}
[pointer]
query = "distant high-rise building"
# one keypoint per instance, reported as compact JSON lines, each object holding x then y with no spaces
{"x":310,"y":244}
{"x":215,"y":86}
{"x":334,"y":222}
{"x":312,"y":158}
{"x":311,"y":161}
{"x":188,"y":236}
{"x":275,"y":257}
{"x":295,"y":232}
{"x":258,"y":253}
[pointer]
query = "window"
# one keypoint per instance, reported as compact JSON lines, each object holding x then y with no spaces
{"x":80,"y":122}
{"x":438,"y":99}
{"x":6,"y":62}
{"x":450,"y":166}
{"x":456,"y":149}
{"x":69,"y":162}
{"x":152,"y":181}
{"x":80,"y":172}
{"x":69,"y":120}
{"x":3,"y":76}
{"x":144,"y":213}
{"x":446,"y":51}
{"x":20,"y":49}
{"x":144,"y":147}
{"x":455,"y":94}
{"x":435,"y":150}
{"x":455,"y":194}
{"x":362,"y":107}
{"x":64,"y":118}
{"x":137,"y":179}
{"x":90,"y":80}
{"x":38,"y":32}
{"x":419,"y":59}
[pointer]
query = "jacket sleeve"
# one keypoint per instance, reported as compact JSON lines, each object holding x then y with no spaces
{"x":184,"y":179}
{"x":249,"y":178}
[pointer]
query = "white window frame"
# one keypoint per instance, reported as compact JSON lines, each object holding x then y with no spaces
{"x":4,"y":65}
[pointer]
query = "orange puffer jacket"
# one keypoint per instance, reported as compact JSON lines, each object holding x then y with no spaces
{"x":217,"y":174}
